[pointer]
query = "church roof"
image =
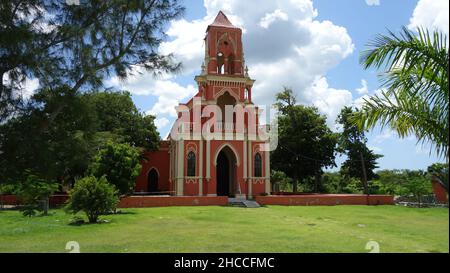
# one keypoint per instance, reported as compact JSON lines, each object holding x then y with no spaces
{"x":222,"y":21}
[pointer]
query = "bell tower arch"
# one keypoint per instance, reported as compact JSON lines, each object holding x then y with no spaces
{"x":223,"y":41}
{"x":224,"y":66}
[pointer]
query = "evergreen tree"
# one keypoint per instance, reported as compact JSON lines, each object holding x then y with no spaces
{"x":305,"y":143}
{"x":79,"y":45}
{"x":361,"y":161}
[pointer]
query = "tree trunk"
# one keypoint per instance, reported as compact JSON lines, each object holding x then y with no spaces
{"x":92,"y":218}
{"x":364,"y":178}
{"x":316,"y":182}
{"x":294,"y":184}
{"x":45,"y":204}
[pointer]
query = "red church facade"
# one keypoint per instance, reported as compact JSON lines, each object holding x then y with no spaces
{"x":211,"y":150}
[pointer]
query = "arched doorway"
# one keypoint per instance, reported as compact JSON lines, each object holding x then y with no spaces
{"x":226,"y":172}
{"x":152,"y":180}
{"x":222,"y":102}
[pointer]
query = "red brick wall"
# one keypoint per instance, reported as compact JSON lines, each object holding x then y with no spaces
{"x":326,"y":200}
{"x":191,"y":187}
{"x":55,"y":200}
{"x":164,"y":201}
{"x":439,"y":191}
{"x":160,"y":161}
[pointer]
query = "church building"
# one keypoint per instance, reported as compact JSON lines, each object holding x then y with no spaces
{"x":212,"y":151}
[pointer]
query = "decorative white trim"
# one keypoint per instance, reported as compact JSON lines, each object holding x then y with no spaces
{"x":223,"y":91}
{"x":208,"y":161}
{"x":191,"y":147}
{"x":200,"y":170}
{"x":180,"y":167}
{"x":267,"y":180}
{"x":151,"y":168}
{"x":244,"y":155}
{"x":226,"y":37}
{"x":249,"y":168}
{"x":236,"y":155}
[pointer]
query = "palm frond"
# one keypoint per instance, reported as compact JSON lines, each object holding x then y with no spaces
{"x":415,"y":80}
{"x":407,"y":115}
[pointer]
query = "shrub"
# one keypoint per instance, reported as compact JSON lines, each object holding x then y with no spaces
{"x":34,"y":193}
{"x":418,"y":187}
{"x":280,"y":181}
{"x":7,"y":188}
{"x":93,"y":196}
{"x":120,"y":163}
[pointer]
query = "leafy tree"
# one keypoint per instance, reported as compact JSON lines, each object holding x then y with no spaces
{"x":418,"y":186}
{"x":80,"y":45}
{"x":120,"y":164}
{"x":93,"y":196}
{"x":280,"y":181}
{"x":118,"y":115}
{"x":59,"y":150}
{"x":415,"y":100}
{"x":361,"y":161}
{"x":334,"y":182}
{"x":35,"y":192}
{"x":403,"y":183}
{"x":306,"y":144}
{"x":62,"y":150}
{"x":389,"y":182}
{"x":20,"y":40}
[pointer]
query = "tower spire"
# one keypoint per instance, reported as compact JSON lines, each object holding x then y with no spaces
{"x":222,"y":21}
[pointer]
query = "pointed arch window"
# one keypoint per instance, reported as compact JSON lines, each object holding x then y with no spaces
{"x":220,"y":63}
{"x":191,"y":161}
{"x":258,"y":165}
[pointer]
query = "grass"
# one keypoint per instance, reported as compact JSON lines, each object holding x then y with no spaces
{"x":230,"y":229}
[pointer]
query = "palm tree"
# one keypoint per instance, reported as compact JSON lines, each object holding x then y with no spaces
{"x":414,"y":98}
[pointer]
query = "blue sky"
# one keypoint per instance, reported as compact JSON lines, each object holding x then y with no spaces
{"x":317,"y":56}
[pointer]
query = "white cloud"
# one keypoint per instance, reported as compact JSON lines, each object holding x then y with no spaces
{"x":421,"y":149}
{"x":375,"y":149}
{"x":161,"y":123}
{"x":168,"y":92}
{"x":431,"y":14}
{"x":384,"y":135}
{"x":187,"y":44}
{"x":267,"y":20}
{"x":363,"y":89}
{"x":284,"y":46}
{"x":373,"y":2}
{"x":328,"y":100}
{"x":26,"y":88}
{"x":358,"y":102}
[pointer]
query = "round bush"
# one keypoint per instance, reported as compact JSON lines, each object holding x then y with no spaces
{"x":93,"y":196}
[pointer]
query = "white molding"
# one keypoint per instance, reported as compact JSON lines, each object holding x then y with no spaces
{"x":208,"y":159}
{"x":236,"y":155}
{"x":267,"y":162}
{"x":200,"y":170}
{"x":180,"y":167}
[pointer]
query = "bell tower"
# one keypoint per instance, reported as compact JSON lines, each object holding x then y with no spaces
{"x":215,"y":149}
{"x":223,"y":44}
{"x":224,"y":69}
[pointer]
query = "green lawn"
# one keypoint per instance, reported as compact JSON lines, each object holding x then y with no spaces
{"x":230,"y":229}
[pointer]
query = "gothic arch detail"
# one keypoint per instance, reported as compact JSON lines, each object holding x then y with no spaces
{"x":236,"y":154}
